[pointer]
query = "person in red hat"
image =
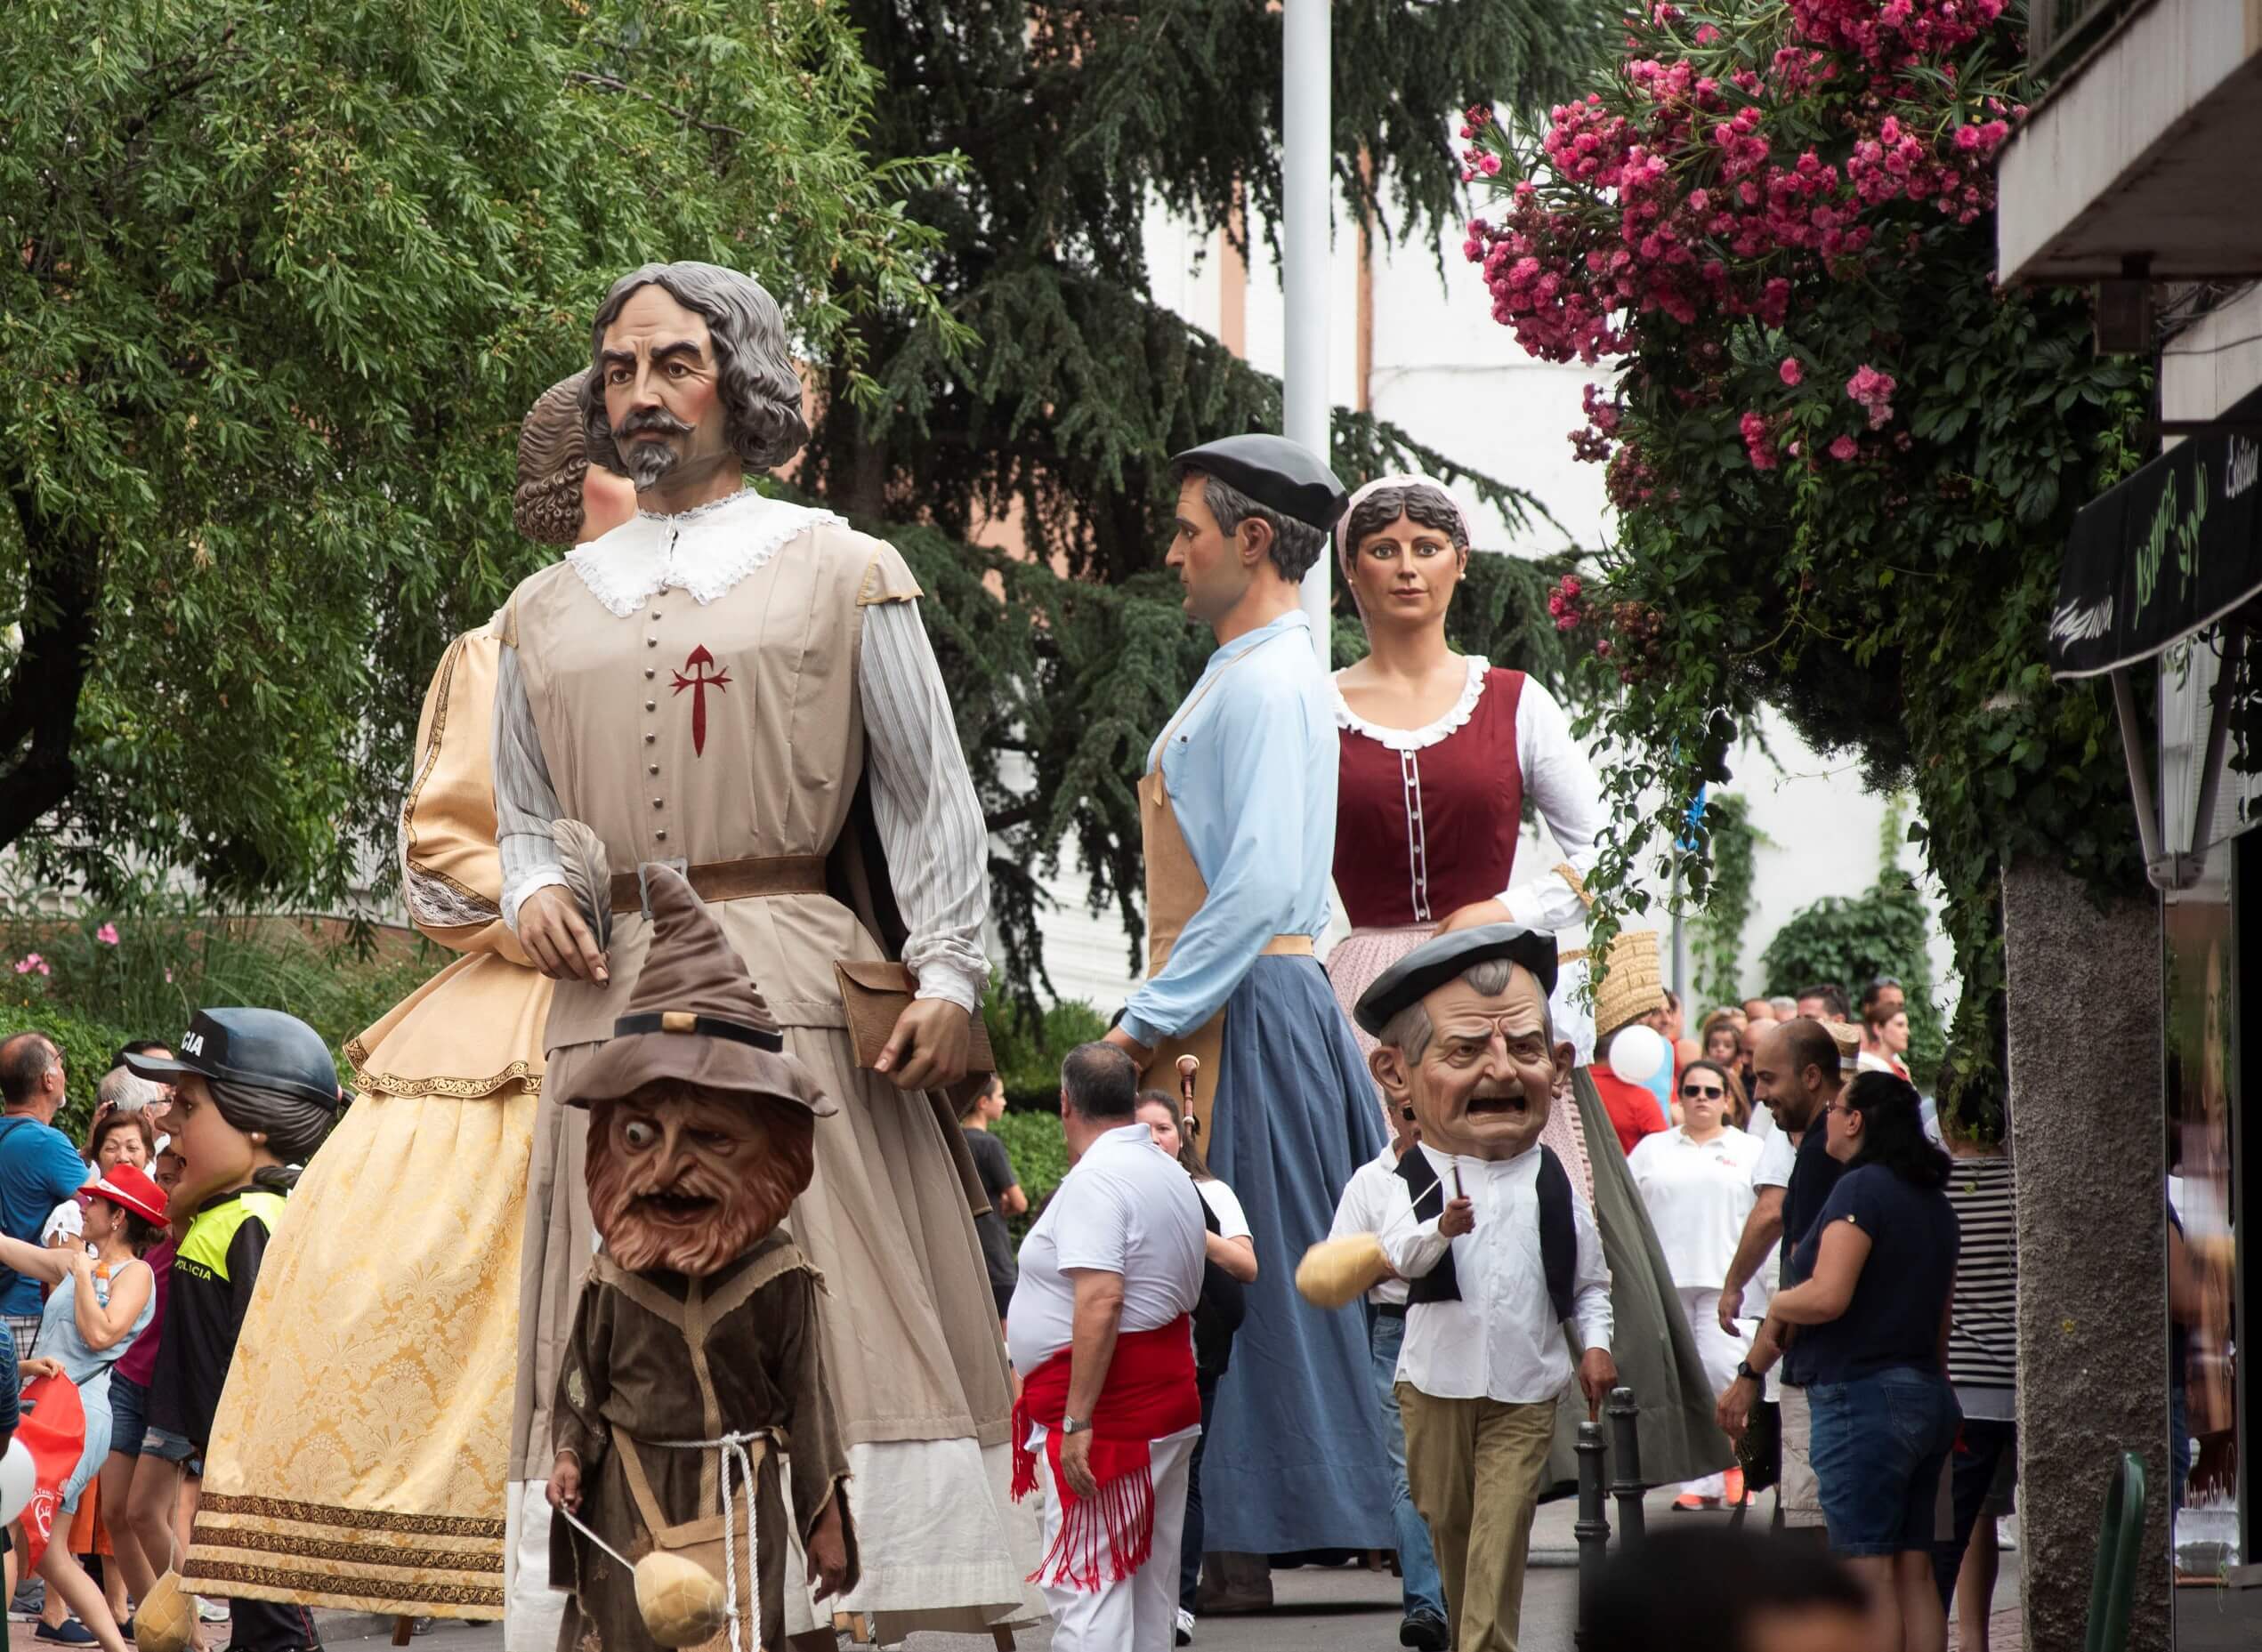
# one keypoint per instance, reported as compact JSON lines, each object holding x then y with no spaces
{"x":104,"y":1296}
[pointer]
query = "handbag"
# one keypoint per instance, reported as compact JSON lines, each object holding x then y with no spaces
{"x":874,"y":992}
{"x":1759,"y":1452}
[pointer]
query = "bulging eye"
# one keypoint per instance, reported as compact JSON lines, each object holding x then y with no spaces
{"x":640,"y":1133}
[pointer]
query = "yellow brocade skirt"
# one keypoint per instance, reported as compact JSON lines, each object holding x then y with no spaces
{"x":359,"y":1457}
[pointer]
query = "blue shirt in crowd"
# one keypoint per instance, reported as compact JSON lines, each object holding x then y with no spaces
{"x":1901,"y":1295}
{"x":1251,"y":774}
{"x":39,"y":1169}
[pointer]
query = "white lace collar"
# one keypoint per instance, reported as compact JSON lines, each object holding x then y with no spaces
{"x":1429,"y":734}
{"x":704,"y":551}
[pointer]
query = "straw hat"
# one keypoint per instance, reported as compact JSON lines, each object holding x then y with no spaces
{"x":694,"y":1016}
{"x":1634,"y":987}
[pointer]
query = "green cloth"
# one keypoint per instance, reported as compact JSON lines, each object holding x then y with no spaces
{"x":1657,"y":1357}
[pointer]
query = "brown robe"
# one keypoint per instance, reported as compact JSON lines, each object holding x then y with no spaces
{"x":660,"y":1356}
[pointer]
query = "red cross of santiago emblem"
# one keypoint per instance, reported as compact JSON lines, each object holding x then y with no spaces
{"x":697,"y":663}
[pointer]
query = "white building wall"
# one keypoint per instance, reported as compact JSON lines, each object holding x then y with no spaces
{"x":1455,"y":379}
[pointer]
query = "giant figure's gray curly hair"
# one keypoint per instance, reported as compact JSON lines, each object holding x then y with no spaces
{"x":761,"y":391}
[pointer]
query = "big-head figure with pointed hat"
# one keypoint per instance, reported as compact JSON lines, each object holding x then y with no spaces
{"x":696,"y":1352}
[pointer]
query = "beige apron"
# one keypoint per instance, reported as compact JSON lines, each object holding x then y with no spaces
{"x":1176,"y":891}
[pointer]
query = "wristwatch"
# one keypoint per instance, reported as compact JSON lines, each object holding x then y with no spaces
{"x":1076,"y":1425}
{"x":1743,"y":1369}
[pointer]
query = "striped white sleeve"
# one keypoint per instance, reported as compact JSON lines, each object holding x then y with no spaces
{"x":923,"y":801}
{"x":525,"y":802}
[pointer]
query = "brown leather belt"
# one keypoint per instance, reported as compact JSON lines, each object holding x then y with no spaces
{"x":748,"y":879}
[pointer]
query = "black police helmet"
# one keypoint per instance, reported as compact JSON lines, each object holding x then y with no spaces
{"x":268,"y":1048}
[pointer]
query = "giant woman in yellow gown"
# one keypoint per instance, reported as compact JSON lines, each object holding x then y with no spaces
{"x":360,"y":1453}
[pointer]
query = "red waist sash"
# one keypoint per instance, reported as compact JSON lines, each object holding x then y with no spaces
{"x":1149,"y":1392}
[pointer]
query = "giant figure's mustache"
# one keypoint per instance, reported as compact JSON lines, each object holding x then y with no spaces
{"x":648,"y":461}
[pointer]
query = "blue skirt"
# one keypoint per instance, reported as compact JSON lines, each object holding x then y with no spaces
{"x":1295,"y":1459}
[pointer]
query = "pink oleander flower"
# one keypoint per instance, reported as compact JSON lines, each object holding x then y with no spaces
{"x":1790,"y":372}
{"x":168,"y":977}
{"x":32,"y":963}
{"x":1758,"y":445}
{"x":106,"y":935}
{"x":1845,"y":448}
{"x":1873,"y":391}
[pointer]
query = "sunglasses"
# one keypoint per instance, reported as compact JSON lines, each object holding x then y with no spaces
{"x":1702,"y":1093}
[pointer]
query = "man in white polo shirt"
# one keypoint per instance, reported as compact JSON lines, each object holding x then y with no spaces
{"x":1100,"y":1331}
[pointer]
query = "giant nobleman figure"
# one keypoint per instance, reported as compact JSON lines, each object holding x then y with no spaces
{"x":743,"y":687}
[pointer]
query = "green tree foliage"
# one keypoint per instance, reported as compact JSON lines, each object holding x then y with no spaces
{"x":1854,"y":940}
{"x":1072,"y":120}
{"x":1731,"y":838}
{"x":282,"y":277}
{"x":1846,"y":460}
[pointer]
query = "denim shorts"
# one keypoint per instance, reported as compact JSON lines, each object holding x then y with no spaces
{"x":1880,"y":1442}
{"x":129,"y":1414}
{"x":167,"y":1446}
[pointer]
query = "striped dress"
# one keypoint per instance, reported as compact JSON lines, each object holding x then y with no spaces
{"x":1983,"y":1324}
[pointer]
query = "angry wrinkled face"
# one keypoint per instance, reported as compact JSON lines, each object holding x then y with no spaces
{"x":688,"y":1180}
{"x":1482,"y":1085}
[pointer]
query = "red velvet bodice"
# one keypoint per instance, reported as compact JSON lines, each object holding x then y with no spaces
{"x":1427,"y":829}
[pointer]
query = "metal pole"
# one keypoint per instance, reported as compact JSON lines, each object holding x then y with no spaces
{"x":1592,"y":1528}
{"x":1626,"y":1441}
{"x":1306,"y":161}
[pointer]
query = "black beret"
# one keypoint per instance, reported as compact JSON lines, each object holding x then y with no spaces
{"x":1273,"y":470}
{"x":1446,"y":957}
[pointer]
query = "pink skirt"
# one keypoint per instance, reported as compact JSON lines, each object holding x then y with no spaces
{"x":1361,"y":956}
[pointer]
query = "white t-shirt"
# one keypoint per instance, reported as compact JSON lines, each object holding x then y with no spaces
{"x":1232,"y":1221}
{"x":1697,"y":1196}
{"x":1125,"y":1207}
{"x":1777,"y":1155}
{"x":1365,"y":1208}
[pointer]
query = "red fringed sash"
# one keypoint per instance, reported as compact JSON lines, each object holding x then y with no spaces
{"x":1150,"y":1392}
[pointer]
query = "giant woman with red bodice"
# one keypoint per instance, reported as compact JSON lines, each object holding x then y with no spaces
{"x":1440,"y":754}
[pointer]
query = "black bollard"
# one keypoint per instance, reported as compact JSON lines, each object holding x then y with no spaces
{"x":1592,"y":1528}
{"x":1626,"y":1443}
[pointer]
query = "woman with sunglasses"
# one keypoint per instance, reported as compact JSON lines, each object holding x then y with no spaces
{"x":1878,"y":1264}
{"x":1696,"y":1180}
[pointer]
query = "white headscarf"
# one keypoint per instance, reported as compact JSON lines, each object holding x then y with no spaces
{"x":1345,"y":548}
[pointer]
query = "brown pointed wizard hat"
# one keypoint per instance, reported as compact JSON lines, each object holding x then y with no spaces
{"x":694,"y":1016}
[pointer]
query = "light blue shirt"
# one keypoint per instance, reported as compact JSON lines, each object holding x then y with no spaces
{"x":1251,"y":774}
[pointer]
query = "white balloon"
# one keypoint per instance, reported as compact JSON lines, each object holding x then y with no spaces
{"x":19,"y":1479}
{"x":1636,"y":1053}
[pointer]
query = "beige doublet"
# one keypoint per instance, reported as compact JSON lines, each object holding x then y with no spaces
{"x":771,"y":769}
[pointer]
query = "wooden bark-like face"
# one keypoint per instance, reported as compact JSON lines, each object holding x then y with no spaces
{"x":688,"y":1180}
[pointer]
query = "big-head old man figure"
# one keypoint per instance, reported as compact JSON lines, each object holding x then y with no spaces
{"x":732,"y":683}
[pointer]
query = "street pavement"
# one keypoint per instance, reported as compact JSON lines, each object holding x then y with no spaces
{"x":1347,"y":1607}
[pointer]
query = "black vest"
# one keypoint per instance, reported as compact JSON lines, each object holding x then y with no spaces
{"x":1558,"y":1232}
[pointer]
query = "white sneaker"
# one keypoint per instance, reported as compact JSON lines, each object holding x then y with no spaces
{"x":2007,"y":1534}
{"x":212,"y":1611}
{"x":1186,"y":1627}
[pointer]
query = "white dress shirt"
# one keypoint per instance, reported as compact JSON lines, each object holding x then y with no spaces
{"x":1501,"y":1341}
{"x":930,"y":822}
{"x":1698,"y":1195}
{"x":1365,"y":1207}
{"x":1125,"y":1207}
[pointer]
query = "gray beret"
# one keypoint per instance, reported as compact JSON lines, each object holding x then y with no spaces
{"x":1273,"y":470}
{"x":1444,"y":958}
